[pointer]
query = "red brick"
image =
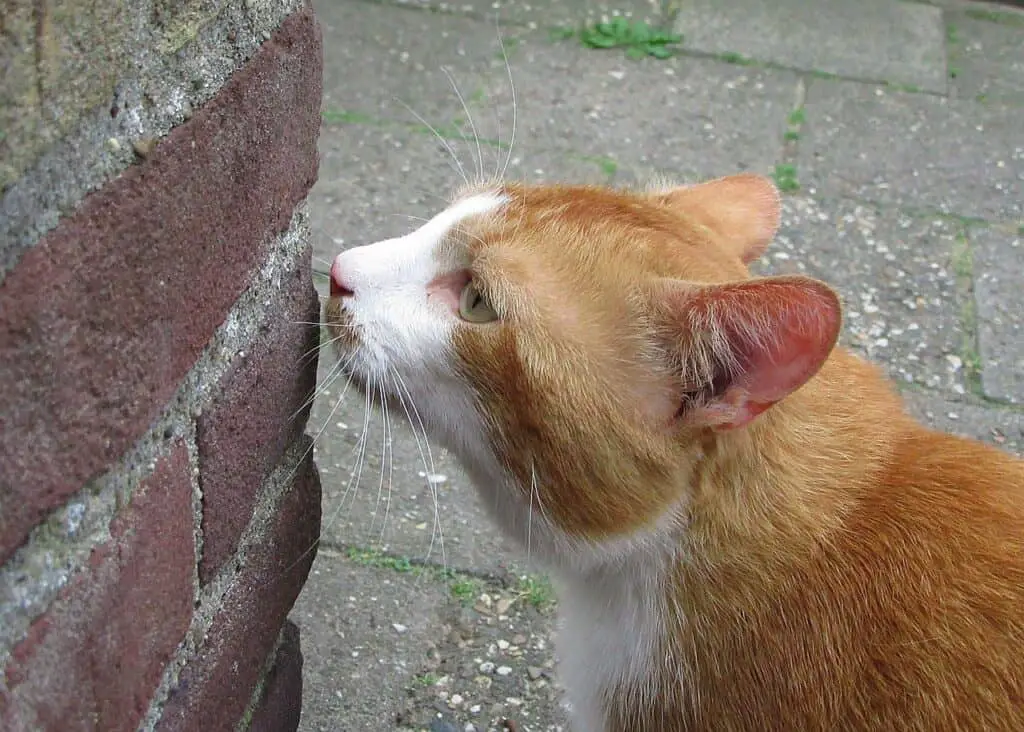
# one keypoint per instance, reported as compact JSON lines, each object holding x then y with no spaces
{"x":262,"y":408}
{"x":92,"y":661}
{"x":101,"y":320}
{"x":217,"y":685}
{"x":281,"y":704}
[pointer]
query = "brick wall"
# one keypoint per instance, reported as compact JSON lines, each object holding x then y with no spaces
{"x":159,"y":508}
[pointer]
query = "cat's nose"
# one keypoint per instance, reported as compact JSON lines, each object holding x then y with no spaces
{"x":339,"y":285}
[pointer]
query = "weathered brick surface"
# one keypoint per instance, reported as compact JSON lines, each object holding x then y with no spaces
{"x":280,"y":706}
{"x":215,"y":688}
{"x":92,"y":661}
{"x":100,"y":321}
{"x":262,"y":407}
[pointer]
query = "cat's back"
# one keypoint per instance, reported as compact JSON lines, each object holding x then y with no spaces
{"x":909,"y":617}
{"x":934,"y":558}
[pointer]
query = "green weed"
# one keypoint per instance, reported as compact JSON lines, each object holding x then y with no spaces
{"x":341,"y":116}
{"x":536,"y":591}
{"x":637,"y":37}
{"x":736,"y":58}
{"x":785,"y":177}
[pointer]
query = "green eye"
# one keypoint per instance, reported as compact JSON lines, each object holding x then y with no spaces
{"x":473,"y":307}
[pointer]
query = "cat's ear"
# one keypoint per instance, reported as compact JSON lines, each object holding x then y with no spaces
{"x":743,"y":210}
{"x":740,"y":347}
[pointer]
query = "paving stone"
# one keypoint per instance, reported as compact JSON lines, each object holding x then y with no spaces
{"x":379,"y":56}
{"x":877,"y":40}
{"x":684,"y":116}
{"x":986,"y":54}
{"x":1003,"y":428}
{"x":400,"y":501}
{"x":545,"y":13}
{"x":895,"y":276}
{"x":998,"y":259}
{"x":914,"y":150}
{"x":356,"y":664}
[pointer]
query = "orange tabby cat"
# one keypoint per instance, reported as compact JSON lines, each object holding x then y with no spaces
{"x":746,"y":529}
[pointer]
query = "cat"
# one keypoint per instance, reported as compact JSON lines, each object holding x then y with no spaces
{"x":745,"y":528}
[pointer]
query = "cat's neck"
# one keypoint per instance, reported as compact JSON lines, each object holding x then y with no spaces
{"x":787,"y":481}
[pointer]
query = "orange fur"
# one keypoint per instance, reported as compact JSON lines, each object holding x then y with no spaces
{"x":832,"y":564}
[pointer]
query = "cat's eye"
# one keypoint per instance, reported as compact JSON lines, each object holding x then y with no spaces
{"x":473,"y":306}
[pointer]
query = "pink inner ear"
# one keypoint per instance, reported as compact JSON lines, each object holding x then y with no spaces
{"x":778,"y":331}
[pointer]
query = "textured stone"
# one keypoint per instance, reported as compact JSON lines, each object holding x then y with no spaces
{"x":262,"y":407}
{"x":94,"y":658}
{"x":896,"y":276}
{"x":543,"y":13}
{"x":109,"y":302}
{"x":986,"y":55}
{"x":408,"y":53}
{"x":685,"y":117}
{"x":998,"y":259}
{"x":216,"y":686}
{"x":914,"y":150}
{"x":280,"y":706}
{"x":876,"y":40}
{"x":59,"y":63}
{"x":360,"y":667}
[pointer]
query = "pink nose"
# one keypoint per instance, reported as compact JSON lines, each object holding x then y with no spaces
{"x":339,"y":288}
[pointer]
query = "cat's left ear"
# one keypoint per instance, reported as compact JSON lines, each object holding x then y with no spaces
{"x":744,"y":211}
{"x":740,"y":347}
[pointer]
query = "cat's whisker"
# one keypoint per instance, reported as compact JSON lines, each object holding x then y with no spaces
{"x":335,"y":372}
{"x":529,"y":514}
{"x":383,"y":455}
{"x":512,"y":90}
{"x":390,"y":447}
{"x":360,"y":453}
{"x":333,"y":376}
{"x":472,"y":126}
{"x":426,"y":456}
{"x":461,"y":171}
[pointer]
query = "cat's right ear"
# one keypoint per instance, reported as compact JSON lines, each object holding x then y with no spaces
{"x":743,"y":210}
{"x":740,"y":347}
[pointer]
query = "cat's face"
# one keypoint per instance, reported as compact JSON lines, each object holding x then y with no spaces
{"x":571,"y":345}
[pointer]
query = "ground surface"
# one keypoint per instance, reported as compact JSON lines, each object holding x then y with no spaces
{"x":897,"y":131}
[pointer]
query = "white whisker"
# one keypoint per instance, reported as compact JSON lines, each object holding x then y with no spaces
{"x":427,"y":458}
{"x":512,"y":89}
{"x":469,"y":118}
{"x":461,"y":171}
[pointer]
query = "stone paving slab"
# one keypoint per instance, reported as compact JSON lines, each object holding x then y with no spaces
{"x":999,"y":296}
{"x":913,"y":150}
{"x":399,"y":516}
{"x":377,"y":56}
{"x":690,"y":117}
{"x":986,"y":54}
{"x":544,"y":13}
{"x":896,"y":275}
{"x":356,"y":664}
{"x":876,"y":40}
{"x":390,"y":646}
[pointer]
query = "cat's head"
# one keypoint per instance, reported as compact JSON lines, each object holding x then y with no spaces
{"x":578,"y":348}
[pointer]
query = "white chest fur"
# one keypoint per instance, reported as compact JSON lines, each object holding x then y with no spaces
{"x":610,"y":623}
